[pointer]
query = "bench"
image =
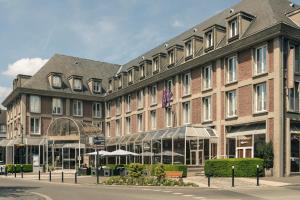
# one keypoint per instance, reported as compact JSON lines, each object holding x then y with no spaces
{"x":174,"y":174}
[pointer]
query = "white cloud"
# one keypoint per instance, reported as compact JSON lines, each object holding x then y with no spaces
{"x":26,"y":66}
{"x":177,"y":24}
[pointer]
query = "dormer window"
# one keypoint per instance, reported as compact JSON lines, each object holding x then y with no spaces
{"x":142,"y":71}
{"x":120,"y":81}
{"x":233,"y":28}
{"x":97,"y":87}
{"x":56,"y":81}
{"x":155,"y":65}
{"x":110,"y":86}
{"x":171,"y":56}
{"x":77,"y":84}
{"x":130,"y":76}
{"x":188,"y":49}
{"x":209,"y":39}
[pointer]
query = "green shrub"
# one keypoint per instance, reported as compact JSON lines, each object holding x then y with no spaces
{"x":265,"y":151}
{"x":160,"y":172}
{"x":135,"y":170}
{"x":243,"y":167}
{"x":26,"y":168}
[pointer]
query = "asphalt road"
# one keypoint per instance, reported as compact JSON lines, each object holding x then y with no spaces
{"x":28,"y":189}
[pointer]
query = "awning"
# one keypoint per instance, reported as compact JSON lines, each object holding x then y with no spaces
{"x":73,"y":145}
{"x":34,"y":141}
{"x":247,"y":129}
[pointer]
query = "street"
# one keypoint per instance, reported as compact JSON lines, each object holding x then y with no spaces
{"x":29,"y":189}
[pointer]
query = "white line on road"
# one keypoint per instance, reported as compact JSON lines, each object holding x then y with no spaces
{"x":177,"y":193}
{"x":42,"y":195}
{"x":198,"y":197}
{"x":187,"y":195}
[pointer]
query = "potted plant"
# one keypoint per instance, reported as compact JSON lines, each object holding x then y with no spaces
{"x":265,"y":151}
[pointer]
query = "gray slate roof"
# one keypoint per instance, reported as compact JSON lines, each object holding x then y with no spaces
{"x":267,"y":13}
{"x":68,"y":66}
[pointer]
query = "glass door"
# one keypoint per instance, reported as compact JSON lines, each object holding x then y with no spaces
{"x":295,"y":153}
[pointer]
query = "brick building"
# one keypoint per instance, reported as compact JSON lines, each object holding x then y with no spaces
{"x":220,"y":89}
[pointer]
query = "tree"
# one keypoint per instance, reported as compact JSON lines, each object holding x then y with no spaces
{"x":265,"y":151}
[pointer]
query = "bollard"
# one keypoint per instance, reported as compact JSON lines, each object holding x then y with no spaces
{"x":39,"y":175}
{"x":232,"y":176}
{"x":6,"y":171}
{"x":75,"y":177}
{"x":62,"y":177}
{"x":97,"y":174}
{"x":50,"y":176}
{"x":208,"y":180}
{"x":257,"y":175}
{"x":21,"y":171}
{"x":15,"y":170}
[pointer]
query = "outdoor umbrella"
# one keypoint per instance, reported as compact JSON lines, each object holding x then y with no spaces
{"x":121,"y":152}
{"x":101,"y":153}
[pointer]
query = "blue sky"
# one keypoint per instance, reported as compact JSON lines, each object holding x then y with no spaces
{"x":108,"y":30}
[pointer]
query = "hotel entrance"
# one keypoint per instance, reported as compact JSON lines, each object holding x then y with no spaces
{"x":196,"y":152}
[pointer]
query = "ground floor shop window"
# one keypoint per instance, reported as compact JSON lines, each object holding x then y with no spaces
{"x":295,"y":152}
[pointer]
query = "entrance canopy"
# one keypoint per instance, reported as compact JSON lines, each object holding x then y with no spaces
{"x":247,"y":129}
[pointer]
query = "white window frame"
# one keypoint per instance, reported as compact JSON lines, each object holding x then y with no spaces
{"x":171,"y":55}
{"x":153,"y":94}
{"x":207,"y":108}
{"x":264,"y":66}
{"x":110,"y":85}
{"x":77,"y":108}
{"x":118,"y":128}
{"x":153,"y":119}
{"x":130,"y":76}
{"x":168,"y":116}
{"x":155,"y":64}
{"x":34,"y":132}
{"x":108,"y":108}
{"x":77,"y":84}
{"x":260,"y":105}
{"x":97,"y":87}
{"x":108,"y":129}
{"x":233,"y":28}
{"x":120,"y":81}
{"x":186,"y":84}
{"x":189,"y":48}
{"x":56,"y":81}
{"x":97,"y":110}
{"x":35,"y":104}
{"x":186,"y":108}
{"x":118,"y":105}
{"x":142,"y":71}
{"x":57,"y":106}
{"x":231,"y":70}
{"x":293,"y":99}
{"x":140,"y":98}
{"x":207,"y":77}
{"x":128,"y":102}
{"x":128,"y":125}
{"x":209,"y":39}
{"x":231,"y":103}
{"x":140,"y":122}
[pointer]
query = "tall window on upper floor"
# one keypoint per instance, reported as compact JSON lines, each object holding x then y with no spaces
{"x":207,"y":108}
{"x":169,"y":85}
{"x":108,"y":129}
{"x":231,"y":69}
{"x":142,"y":71}
{"x":56,"y":81}
{"x":186,"y":84}
{"x":118,"y":127}
{"x":294,"y":51}
{"x":171,"y":56}
{"x":57,"y":106}
{"x":96,"y":86}
{"x":130,"y":76}
{"x":110,"y":85}
{"x":35,"y":125}
{"x":168,"y":116}
{"x":118,"y":105}
{"x":128,"y":125}
{"x":260,"y":95}
{"x":108,"y":108}
{"x":155,"y":65}
{"x":207,"y":77}
{"x":231,"y":107}
{"x":128,"y":103}
{"x":120,"y":81}
{"x":233,"y":28}
{"x":77,"y":84}
{"x":294,"y":98}
{"x":97,"y":110}
{"x":153,"y":119}
{"x":260,"y":60}
{"x":186,"y":112}
{"x":188,"y":49}
{"x":35,"y":104}
{"x":140,"y":98}
{"x":153,"y":94}
{"x":140,"y":122}
{"x":209,"y":39}
{"x":77,"y":108}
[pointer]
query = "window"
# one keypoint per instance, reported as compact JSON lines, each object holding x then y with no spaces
{"x":142,"y":71}
{"x":97,"y":110}
{"x":169,"y":85}
{"x":77,"y":108}
{"x":128,"y":102}
{"x":97,"y":87}
{"x":231,"y":69}
{"x":207,"y":77}
{"x":110,"y":86}
{"x":188,"y":49}
{"x":130,"y":76}
{"x":233,"y":28}
{"x":140,"y":122}
{"x":108,"y":129}
{"x":186,"y":112}
{"x":77,"y":84}
{"x":57,"y":107}
{"x":2,"y":129}
{"x":297,"y":60}
{"x":56,"y":81}
{"x":153,"y":119}
{"x":120,"y":81}
{"x":140,"y":98}
{"x":108,"y":106}
{"x":128,"y":125}
{"x":207,"y":108}
{"x":260,"y":97}
{"x":35,"y":125}
{"x":153,"y":94}
{"x":209,"y":39}
{"x":35,"y":104}
{"x":155,"y":64}
{"x":168,"y":114}
{"x":186,"y":84}
{"x":118,"y":105}
{"x":171,"y":57}
{"x":118,"y":127}
{"x":294,"y":98}
{"x":260,"y":60}
{"x":231,"y":103}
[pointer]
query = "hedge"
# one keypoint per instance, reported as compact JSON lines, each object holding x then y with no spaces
{"x":26,"y":168}
{"x":243,"y":167}
{"x":151,"y":168}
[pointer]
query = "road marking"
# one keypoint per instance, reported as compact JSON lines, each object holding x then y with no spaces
{"x":42,"y":195}
{"x":187,"y":195}
{"x":167,"y":191}
{"x":198,"y":197}
{"x":156,"y":190}
{"x":177,"y":193}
